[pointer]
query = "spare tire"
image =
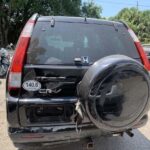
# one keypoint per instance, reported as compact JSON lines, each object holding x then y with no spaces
{"x":115,"y":92}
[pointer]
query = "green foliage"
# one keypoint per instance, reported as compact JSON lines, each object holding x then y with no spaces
{"x":90,"y":9}
{"x":15,"y":13}
{"x":139,"y":21}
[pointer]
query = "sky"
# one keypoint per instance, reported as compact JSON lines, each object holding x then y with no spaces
{"x":112,"y":7}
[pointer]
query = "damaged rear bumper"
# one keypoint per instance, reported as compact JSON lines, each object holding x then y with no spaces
{"x":55,"y":134}
{"x":60,"y":134}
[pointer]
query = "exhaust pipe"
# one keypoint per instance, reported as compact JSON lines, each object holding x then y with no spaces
{"x":129,"y":133}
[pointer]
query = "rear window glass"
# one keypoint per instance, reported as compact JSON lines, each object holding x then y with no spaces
{"x":65,"y":42}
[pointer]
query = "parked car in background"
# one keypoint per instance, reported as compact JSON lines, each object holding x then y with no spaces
{"x":73,"y":78}
{"x":10,"y":48}
{"x":147,"y":49}
{"x":4,"y":62}
{"x":6,"y":55}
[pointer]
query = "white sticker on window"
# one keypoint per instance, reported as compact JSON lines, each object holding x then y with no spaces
{"x":31,"y":85}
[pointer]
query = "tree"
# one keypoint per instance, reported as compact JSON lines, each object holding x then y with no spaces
{"x":3,"y":22}
{"x":90,"y":9}
{"x":15,"y":13}
{"x":139,"y":21}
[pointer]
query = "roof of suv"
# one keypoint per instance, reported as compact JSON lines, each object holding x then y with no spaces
{"x":79,"y":20}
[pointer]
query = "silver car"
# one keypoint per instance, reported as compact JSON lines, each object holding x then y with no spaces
{"x":147,"y":49}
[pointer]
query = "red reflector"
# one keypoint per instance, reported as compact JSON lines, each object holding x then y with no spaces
{"x":140,"y":49}
{"x":19,"y":55}
{"x":143,"y":56}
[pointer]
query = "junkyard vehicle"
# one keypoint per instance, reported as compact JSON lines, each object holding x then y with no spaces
{"x":74,"y":78}
{"x":4,"y":62}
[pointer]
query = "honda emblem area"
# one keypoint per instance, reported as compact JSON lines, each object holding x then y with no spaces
{"x":85,"y":59}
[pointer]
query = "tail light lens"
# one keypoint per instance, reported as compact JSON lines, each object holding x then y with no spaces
{"x":140,"y":49}
{"x":14,"y":80}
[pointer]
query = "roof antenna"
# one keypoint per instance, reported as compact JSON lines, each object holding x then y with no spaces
{"x":52,"y":22}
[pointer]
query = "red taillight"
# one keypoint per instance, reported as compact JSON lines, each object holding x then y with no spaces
{"x":19,"y":55}
{"x":140,"y":49}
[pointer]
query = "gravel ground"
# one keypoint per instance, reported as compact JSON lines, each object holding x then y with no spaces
{"x":141,"y":140}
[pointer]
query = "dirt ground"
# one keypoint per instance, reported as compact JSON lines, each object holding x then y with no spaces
{"x":141,"y":140}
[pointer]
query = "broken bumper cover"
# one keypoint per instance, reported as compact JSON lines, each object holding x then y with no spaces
{"x":60,"y":134}
{"x":66,"y":133}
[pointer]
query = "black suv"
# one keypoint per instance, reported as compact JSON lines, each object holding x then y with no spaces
{"x":73,"y":78}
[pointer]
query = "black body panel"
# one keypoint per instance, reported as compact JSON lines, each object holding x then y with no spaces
{"x":43,"y":112}
{"x":58,"y":134}
{"x":47,"y":115}
{"x":37,"y":108}
{"x":63,"y":79}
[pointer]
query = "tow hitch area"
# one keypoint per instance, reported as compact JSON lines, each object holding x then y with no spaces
{"x":128,"y":132}
{"x":89,"y":143}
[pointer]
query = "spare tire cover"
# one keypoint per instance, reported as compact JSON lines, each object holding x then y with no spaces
{"x":115,"y":92}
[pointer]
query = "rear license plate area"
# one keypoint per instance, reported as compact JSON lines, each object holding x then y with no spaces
{"x":50,"y":114}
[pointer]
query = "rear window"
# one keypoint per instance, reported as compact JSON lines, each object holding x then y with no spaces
{"x":65,"y":42}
